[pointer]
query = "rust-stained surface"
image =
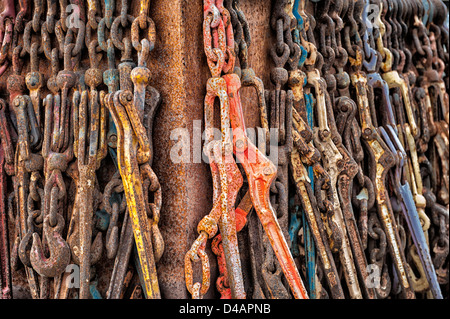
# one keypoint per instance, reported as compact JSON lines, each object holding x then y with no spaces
{"x":178,"y":71}
{"x":183,"y":85}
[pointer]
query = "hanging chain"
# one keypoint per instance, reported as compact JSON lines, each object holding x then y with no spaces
{"x":351,"y":198}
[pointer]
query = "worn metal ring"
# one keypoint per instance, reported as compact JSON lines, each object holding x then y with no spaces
{"x":115,"y":31}
{"x":135,"y":33}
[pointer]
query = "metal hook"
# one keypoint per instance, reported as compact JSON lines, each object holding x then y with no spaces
{"x":59,"y":258}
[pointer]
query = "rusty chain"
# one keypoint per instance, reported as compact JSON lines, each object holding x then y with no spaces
{"x":350,"y":200}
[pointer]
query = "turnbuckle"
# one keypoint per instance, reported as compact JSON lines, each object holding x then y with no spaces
{"x":260,"y":174}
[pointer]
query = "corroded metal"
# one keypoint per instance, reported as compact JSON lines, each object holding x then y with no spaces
{"x":260,"y":176}
{"x":355,"y":91}
{"x":383,"y":159}
{"x":6,"y":159}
